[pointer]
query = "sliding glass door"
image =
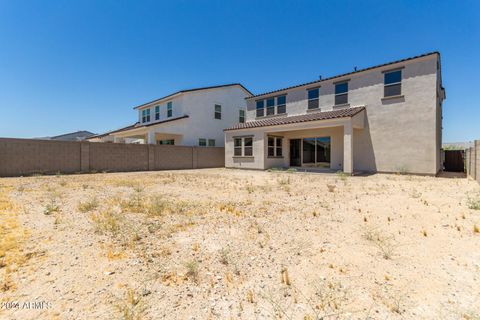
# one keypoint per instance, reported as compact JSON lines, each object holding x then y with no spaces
{"x":316,"y":152}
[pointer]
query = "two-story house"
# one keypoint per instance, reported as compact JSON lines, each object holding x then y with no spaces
{"x":194,"y":117}
{"x":386,"y":118}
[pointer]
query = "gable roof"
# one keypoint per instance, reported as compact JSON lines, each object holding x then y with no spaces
{"x":344,"y":74}
{"x":137,"y":125}
{"x":194,"y":89}
{"x":323,"y":115}
{"x":73,"y":136}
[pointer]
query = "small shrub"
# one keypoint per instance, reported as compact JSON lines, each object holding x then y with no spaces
{"x":192,"y":270}
{"x":52,"y":207}
{"x":331,"y":187}
{"x":132,"y":307}
{"x":225,"y":256}
{"x":474,"y":204}
{"x":107,"y":221}
{"x":88,"y":205}
{"x":158,"y":206}
{"x":284,"y":181}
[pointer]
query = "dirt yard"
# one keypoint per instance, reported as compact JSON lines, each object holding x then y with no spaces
{"x":231,"y":244}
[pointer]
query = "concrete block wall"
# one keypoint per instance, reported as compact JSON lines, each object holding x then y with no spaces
{"x":27,"y":156}
{"x":472,"y":161}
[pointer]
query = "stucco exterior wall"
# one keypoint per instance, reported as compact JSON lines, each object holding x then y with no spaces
{"x":400,"y":134}
{"x":201,"y":123}
{"x":260,"y":160}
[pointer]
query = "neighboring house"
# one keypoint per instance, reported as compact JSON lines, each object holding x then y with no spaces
{"x":386,"y":118}
{"x":194,"y":117}
{"x":73,"y":136}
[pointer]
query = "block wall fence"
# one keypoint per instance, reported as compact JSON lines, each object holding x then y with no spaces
{"x":29,"y":156}
{"x":472,"y":161}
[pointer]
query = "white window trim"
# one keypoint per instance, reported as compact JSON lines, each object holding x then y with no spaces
{"x":215,"y":111}
{"x":242,"y":146}
{"x":275,"y":146}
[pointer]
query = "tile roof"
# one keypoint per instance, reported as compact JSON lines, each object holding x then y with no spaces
{"x":194,"y":89}
{"x":342,"y":75}
{"x":314,"y":116}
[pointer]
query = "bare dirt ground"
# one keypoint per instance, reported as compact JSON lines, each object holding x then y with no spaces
{"x":231,"y":244}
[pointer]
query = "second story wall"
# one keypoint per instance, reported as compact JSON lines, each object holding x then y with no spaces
{"x":200,"y":106}
{"x":176,"y":104}
{"x":364,"y":88}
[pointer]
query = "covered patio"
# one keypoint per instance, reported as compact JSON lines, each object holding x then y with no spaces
{"x":318,"y":141}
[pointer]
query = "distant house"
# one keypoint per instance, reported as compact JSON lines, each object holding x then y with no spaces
{"x":72,"y":136}
{"x":193,"y":117}
{"x":386,"y":118}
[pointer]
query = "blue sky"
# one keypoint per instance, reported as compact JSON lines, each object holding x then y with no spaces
{"x":83,"y":65}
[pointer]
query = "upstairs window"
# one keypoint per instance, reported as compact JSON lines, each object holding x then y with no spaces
{"x":218,"y":111}
{"x":392,"y":83}
{"x":157,"y":113}
{"x":313,"y":95}
{"x":202,"y":142}
{"x":275,"y":146}
{"x":241,"y":116}
{"x":281,"y":104}
{"x":145,"y":115}
{"x":260,"y":108}
{"x":211,"y":142}
{"x":270,"y":106}
{"x":169,"y":109}
{"x":341,"y":93}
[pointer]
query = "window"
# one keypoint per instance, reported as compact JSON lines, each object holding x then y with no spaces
{"x":260,"y":108}
{"x":157,"y":113}
{"x":202,"y":142}
{"x":237,"y":147}
{"x":341,"y":93}
{"x":270,"y":106}
{"x":166,"y":142}
{"x":146,"y":115}
{"x":274,"y":146}
{"x":243,"y":146}
{"x":211,"y":142}
{"x":169,"y":109}
{"x":313,"y":95}
{"x":316,"y":152}
{"x":241,"y":116}
{"x":218,"y":112}
{"x":392,"y":83}
{"x":281,"y":104}
{"x":247,"y":146}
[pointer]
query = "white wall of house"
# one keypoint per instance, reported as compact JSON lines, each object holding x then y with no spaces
{"x":201,"y":123}
{"x":400,"y":134}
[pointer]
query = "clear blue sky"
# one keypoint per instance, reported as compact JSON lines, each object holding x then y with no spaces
{"x":83,"y":65}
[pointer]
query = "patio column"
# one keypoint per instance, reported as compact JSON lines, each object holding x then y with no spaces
{"x":151,"y":139}
{"x":348,"y":148}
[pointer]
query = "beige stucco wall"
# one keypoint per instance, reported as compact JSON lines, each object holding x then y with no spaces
{"x":329,"y":128}
{"x":401,"y":134}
